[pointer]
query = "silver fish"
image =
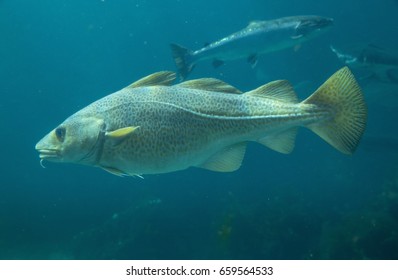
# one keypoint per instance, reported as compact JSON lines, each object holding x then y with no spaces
{"x":152,"y":126}
{"x":257,"y":38}
{"x":374,"y":62}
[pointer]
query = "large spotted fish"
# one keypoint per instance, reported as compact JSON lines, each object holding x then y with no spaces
{"x":152,"y":126}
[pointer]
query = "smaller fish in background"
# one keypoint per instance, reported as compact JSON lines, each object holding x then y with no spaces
{"x":379,"y":64}
{"x":258,"y":37}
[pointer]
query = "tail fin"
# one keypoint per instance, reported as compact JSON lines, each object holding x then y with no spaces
{"x":343,"y":97}
{"x":183,"y":60}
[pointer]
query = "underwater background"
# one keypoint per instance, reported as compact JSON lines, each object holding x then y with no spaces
{"x":57,"y":56}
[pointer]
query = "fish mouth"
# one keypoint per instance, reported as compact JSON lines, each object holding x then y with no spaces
{"x":49,"y":154}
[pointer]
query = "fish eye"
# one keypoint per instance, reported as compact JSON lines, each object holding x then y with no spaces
{"x":60,"y":133}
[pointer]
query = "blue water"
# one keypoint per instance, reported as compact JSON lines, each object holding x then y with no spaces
{"x":57,"y":56}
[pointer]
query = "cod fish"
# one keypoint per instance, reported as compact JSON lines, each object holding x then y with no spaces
{"x":257,"y":38}
{"x":152,"y":126}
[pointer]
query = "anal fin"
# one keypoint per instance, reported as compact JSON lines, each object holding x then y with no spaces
{"x":227,"y":160}
{"x":282,"y":142}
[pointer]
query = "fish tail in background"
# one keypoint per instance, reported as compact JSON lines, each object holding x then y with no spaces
{"x":341,"y":95}
{"x":183,"y":60}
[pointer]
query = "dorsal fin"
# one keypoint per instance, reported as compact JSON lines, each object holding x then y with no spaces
{"x":162,"y":78}
{"x":280,"y":90}
{"x":254,"y":23}
{"x":210,"y":84}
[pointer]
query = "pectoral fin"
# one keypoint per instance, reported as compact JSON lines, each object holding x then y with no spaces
{"x":121,"y":134}
{"x":114,"y":171}
{"x":226,"y":160}
{"x":118,"y":172}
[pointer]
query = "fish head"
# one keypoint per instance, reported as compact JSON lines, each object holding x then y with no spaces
{"x":360,"y":55}
{"x":78,"y":139}
{"x":345,"y":57}
{"x":309,"y":26}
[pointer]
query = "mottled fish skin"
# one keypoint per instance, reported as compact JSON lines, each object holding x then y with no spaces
{"x":147,"y":129}
{"x":257,"y":38}
{"x":197,"y":125}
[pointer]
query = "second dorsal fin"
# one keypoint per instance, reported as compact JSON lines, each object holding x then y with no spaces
{"x":162,"y":78}
{"x":210,"y":84}
{"x":280,"y":90}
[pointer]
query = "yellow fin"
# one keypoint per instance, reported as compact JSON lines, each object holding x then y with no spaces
{"x":121,"y":132}
{"x":226,"y":160}
{"x":162,"y":78}
{"x":209,"y":84}
{"x":282,"y":142}
{"x":280,"y":90}
{"x":342,"y":97}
